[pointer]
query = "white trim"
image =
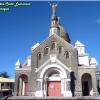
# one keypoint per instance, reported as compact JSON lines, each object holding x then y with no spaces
{"x":62,"y":77}
{"x":38,"y":69}
{"x":78,"y":43}
{"x":57,"y":61}
{"x":87,"y":67}
{"x":23,"y":88}
{"x":22,"y":69}
{"x":39,"y":93}
{"x":67,"y":93}
{"x":53,"y":58}
{"x":39,"y":80}
{"x":54,"y":79}
{"x":18,"y":64}
{"x":35,"y":46}
{"x":63,"y":65}
{"x":56,"y":66}
{"x":67,"y":80}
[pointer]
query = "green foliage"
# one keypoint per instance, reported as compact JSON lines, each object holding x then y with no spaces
{"x":4,"y":74}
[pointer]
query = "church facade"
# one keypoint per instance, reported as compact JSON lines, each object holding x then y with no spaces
{"x":56,"y":67}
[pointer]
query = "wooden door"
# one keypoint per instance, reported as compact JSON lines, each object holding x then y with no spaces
{"x":26,"y":89}
{"x":54,"y":88}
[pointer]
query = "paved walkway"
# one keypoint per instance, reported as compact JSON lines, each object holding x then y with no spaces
{"x":52,"y":98}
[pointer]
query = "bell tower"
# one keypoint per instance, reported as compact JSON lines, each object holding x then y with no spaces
{"x":54,"y":29}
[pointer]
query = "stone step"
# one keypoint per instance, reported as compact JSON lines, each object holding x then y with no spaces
{"x":52,"y":98}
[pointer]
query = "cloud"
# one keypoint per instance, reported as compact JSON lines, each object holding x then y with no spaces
{"x":98,"y":21}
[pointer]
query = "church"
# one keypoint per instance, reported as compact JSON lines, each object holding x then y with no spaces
{"x":56,"y":67}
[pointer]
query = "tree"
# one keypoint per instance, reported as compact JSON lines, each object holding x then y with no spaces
{"x":4,"y":74}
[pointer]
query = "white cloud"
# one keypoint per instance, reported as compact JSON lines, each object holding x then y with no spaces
{"x":98,"y":21}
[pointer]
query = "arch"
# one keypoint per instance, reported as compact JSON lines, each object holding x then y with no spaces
{"x":23,"y":85}
{"x":56,"y":67}
{"x":60,"y":49}
{"x":66,"y":54}
{"x":53,"y":45}
{"x":86,"y":81}
{"x":39,"y":56}
{"x":46,"y":50}
{"x":53,"y":74}
{"x":53,"y":83}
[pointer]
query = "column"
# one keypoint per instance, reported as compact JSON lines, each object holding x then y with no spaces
{"x":20,"y":87}
{"x":62,"y":86}
{"x":39,"y":92}
{"x":67,"y":91}
{"x":78,"y":86}
{"x":23,"y":88}
{"x":94,"y":84}
{"x":0,"y":86}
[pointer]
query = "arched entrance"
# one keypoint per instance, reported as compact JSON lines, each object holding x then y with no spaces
{"x":23,"y":85}
{"x":54,"y":84}
{"x":55,"y":78}
{"x":86,"y":84}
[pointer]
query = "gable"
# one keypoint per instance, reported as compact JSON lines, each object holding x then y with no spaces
{"x":54,"y":38}
{"x":53,"y":62}
{"x":41,"y":52}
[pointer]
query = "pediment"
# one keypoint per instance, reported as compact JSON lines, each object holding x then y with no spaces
{"x":53,"y":61}
{"x":59,"y":41}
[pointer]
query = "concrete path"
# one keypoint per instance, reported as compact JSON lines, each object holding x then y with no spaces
{"x":52,"y":98}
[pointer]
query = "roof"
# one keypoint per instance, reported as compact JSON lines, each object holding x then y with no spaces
{"x":78,"y":43}
{"x":18,"y":63}
{"x":58,"y":39}
{"x":4,"y":80}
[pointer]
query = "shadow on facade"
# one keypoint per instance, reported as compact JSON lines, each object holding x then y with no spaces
{"x":98,"y":87}
{"x":72,"y":83}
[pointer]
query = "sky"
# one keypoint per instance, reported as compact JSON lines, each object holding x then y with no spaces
{"x":23,"y":26}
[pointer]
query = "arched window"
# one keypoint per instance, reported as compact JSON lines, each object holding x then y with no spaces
{"x":60,"y":50}
{"x":39,"y":56}
{"x":53,"y":45}
{"x":22,"y":88}
{"x":67,"y":54}
{"x":46,"y":50}
{"x":86,"y":81}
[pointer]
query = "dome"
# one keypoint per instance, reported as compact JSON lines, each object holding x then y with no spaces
{"x":64,"y":34}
